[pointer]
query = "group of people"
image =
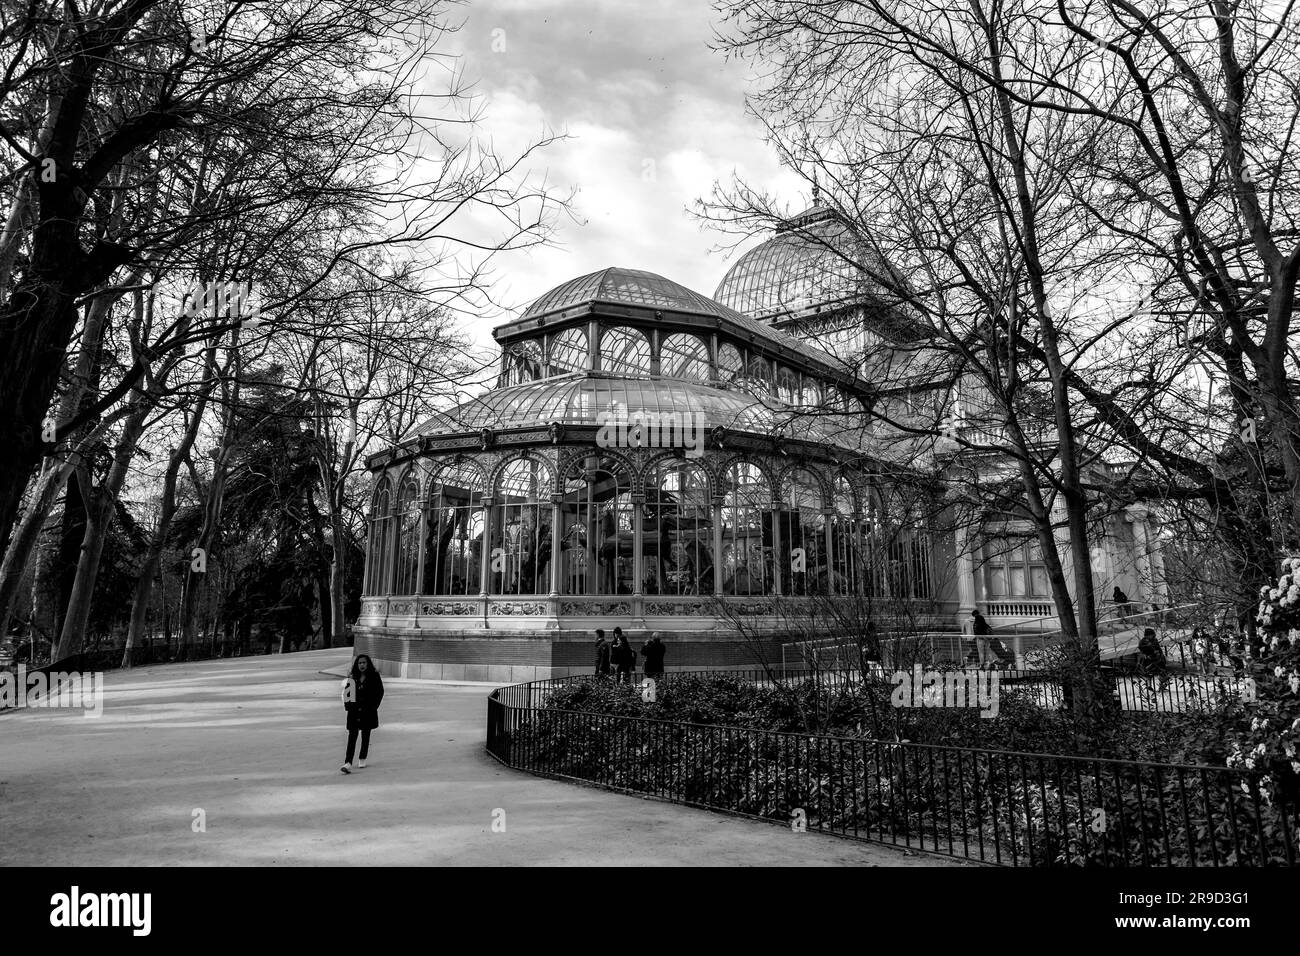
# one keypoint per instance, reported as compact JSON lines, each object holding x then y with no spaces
{"x":618,"y":658}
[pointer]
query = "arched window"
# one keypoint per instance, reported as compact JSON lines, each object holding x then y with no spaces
{"x":757,"y":379}
{"x":624,"y":352}
{"x":728,"y":362}
{"x":677,"y":530}
{"x":803,"y":534}
{"x":520,"y":362}
{"x":520,"y":555}
{"x":381,"y":537}
{"x":453,"y":542}
{"x":746,"y":531}
{"x":567,"y":352}
{"x":682,"y":355}
{"x":596,"y":546}
{"x":787,"y":387}
{"x":408,"y":536}
{"x":810,"y":394}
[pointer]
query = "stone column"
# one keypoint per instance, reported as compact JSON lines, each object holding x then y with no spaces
{"x":1137,"y":516}
{"x":965,"y":576}
{"x":1062,"y":536}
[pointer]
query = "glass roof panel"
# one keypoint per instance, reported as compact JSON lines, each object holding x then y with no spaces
{"x":816,"y":259}
{"x":579,"y":399}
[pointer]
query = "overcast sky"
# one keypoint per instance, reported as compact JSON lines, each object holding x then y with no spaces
{"x":654,"y":118}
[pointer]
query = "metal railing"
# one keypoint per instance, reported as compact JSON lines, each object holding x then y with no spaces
{"x":992,"y":806}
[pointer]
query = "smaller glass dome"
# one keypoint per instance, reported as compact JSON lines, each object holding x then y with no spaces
{"x":626,"y":287}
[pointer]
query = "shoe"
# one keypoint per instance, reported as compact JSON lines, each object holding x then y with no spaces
{"x":346,"y":768}
{"x":361,"y":764}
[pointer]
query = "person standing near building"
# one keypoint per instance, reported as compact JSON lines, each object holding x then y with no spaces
{"x":653,"y":652}
{"x":363,"y":690}
{"x":602,"y":654}
{"x":983,"y":641}
{"x":622,"y":656}
{"x":1122,"y":602}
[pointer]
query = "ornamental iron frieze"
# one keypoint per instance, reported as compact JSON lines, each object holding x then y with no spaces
{"x":512,"y":608}
{"x":751,"y":607}
{"x":449,"y":607}
{"x":596,"y":607}
{"x":678,"y":609}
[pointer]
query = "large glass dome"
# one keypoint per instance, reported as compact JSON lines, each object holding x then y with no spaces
{"x":580,"y":400}
{"x":813,"y":260}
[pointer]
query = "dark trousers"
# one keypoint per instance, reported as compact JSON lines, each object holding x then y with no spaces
{"x":352,"y":744}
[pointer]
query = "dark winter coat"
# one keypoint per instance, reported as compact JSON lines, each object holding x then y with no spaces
{"x":363,"y":713}
{"x":653,"y":652}
{"x":622,"y":655}
{"x":602,"y":656}
{"x":982,"y":626}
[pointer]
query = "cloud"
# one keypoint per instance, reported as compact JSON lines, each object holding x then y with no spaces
{"x":653,"y":119}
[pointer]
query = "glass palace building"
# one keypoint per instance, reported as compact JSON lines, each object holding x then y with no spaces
{"x":680,"y":465}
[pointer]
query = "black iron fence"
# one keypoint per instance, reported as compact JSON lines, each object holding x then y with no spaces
{"x":1000,"y":807}
{"x":1133,"y":691}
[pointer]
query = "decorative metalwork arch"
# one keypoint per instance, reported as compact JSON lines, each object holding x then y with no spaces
{"x":764,"y":467}
{"x":824,"y":486}
{"x":570,"y":456}
{"x":383,"y":486}
{"x":705,"y":464}
{"x":440,"y":465}
{"x":411,"y":470}
{"x":550,"y":486}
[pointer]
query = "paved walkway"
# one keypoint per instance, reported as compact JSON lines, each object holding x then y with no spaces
{"x":256,"y":743}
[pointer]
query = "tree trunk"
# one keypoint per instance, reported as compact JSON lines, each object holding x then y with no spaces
{"x":99,"y":515}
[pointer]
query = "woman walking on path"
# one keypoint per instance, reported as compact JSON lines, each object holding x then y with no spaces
{"x":362,"y":692}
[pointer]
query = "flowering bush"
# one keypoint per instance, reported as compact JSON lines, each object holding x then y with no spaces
{"x":1279,"y":607}
{"x":1266,"y":730}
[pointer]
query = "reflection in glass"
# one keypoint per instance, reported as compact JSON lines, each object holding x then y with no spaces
{"x":521,"y":530}
{"x":678,"y":530}
{"x":596,"y":547}
{"x":380,"y":541}
{"x":408,"y":542}
{"x":453,"y":544}
{"x":803,"y":535}
{"x":746,"y":531}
